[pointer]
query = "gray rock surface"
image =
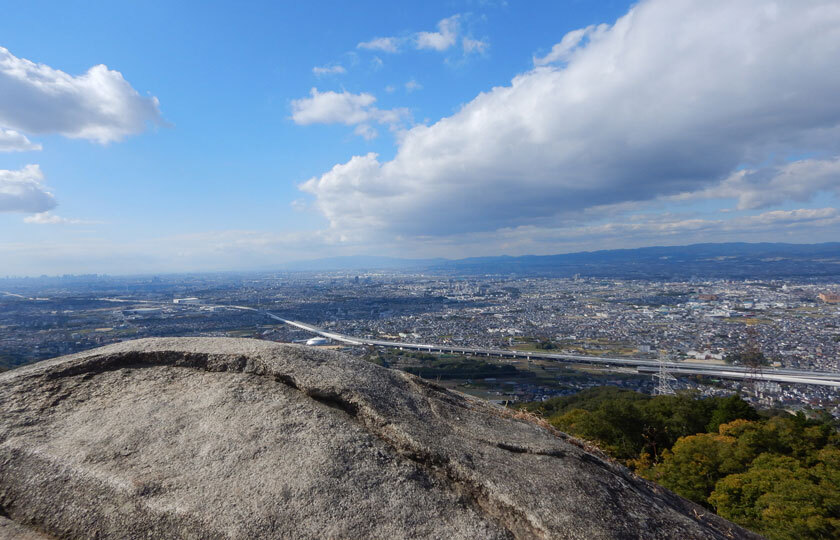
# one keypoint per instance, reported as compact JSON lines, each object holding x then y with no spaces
{"x":9,"y":530}
{"x":234,"y":438}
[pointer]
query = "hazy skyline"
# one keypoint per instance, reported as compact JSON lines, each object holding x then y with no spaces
{"x":161,"y":138}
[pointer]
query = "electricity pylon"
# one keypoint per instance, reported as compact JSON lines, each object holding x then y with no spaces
{"x":666,"y":380}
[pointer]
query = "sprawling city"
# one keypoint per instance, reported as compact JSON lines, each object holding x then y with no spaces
{"x":795,"y":326}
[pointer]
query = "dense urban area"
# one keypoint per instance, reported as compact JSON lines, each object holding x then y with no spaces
{"x":794,"y":324}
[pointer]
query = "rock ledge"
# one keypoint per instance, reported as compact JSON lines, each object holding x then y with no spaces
{"x":236,"y":438}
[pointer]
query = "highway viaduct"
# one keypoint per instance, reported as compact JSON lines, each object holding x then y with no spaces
{"x":642,"y":365}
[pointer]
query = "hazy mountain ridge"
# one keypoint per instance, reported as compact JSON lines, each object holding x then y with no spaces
{"x":735,"y":260}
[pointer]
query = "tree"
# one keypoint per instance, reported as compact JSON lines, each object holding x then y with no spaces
{"x":676,"y":416}
{"x":778,"y":475}
{"x":695,"y":464}
{"x":781,"y":499}
{"x":729,"y":409}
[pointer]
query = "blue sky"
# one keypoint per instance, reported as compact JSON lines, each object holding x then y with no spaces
{"x":227,"y":137}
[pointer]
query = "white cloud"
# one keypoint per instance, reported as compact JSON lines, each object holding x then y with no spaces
{"x":413,"y":85}
{"x":299,"y":205}
{"x":673,"y":98}
{"x":795,"y":181}
{"x":802,"y":226}
{"x":827,"y":216}
{"x":365,"y":171}
{"x":12,"y":141}
{"x":332,"y":108}
{"x":384,"y":44}
{"x":99,"y":105}
{"x":23,"y":191}
{"x":657,"y":227}
{"x":329,"y":70}
{"x":442,"y":39}
{"x":345,"y":108}
{"x":474,"y":46}
{"x":237,"y":250}
{"x":366,"y":131}
{"x":46,"y":218}
{"x":571,"y":42}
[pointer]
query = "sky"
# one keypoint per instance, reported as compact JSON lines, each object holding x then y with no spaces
{"x":158,"y":136}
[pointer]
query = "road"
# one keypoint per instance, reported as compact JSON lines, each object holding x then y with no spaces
{"x":642,"y":365}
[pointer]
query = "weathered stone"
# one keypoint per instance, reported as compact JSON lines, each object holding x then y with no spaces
{"x":233,"y":438}
{"x":9,"y":530}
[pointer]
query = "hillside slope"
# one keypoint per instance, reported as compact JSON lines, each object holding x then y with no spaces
{"x":225,"y":438}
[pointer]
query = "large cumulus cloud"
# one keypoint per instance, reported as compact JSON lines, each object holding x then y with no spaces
{"x":673,"y":98}
{"x":99,"y":105}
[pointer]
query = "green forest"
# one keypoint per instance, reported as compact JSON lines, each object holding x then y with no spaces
{"x":775,"y":473}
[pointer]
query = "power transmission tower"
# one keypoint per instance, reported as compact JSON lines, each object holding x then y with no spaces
{"x":666,"y":380}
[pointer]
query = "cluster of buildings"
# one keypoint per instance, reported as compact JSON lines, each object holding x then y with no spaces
{"x":699,"y":321}
{"x":794,"y":324}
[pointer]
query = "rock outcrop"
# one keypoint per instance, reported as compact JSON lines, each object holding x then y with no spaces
{"x":234,"y":438}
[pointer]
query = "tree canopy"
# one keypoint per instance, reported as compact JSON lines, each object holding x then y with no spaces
{"x":778,"y":475}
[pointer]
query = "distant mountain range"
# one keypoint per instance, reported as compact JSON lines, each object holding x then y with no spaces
{"x":726,"y":260}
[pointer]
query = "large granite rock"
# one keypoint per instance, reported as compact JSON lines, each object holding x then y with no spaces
{"x":233,"y":438}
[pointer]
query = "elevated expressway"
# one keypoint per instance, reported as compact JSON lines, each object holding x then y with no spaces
{"x":798,"y":376}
